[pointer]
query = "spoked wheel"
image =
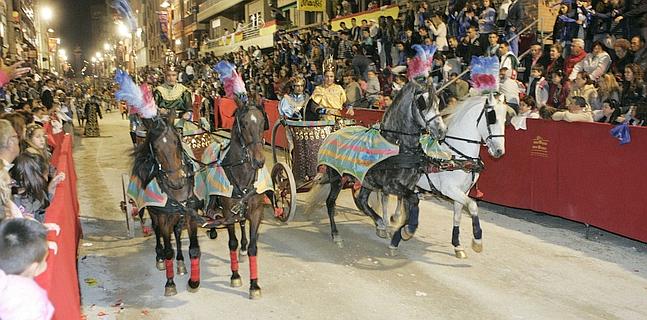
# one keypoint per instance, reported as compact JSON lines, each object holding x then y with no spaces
{"x":285,"y":192}
{"x":278,"y":151}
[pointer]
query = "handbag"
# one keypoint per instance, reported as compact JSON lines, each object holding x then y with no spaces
{"x":621,"y":132}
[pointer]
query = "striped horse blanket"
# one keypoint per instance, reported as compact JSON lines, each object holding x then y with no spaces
{"x":212,"y":181}
{"x":354,"y":150}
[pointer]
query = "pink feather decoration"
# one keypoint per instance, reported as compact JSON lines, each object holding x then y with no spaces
{"x":423,"y":62}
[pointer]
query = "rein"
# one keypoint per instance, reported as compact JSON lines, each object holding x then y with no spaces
{"x":491,"y":119}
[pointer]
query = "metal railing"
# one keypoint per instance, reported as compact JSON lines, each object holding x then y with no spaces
{"x":249,"y":31}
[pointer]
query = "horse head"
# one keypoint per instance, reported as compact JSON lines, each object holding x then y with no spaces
{"x":165,"y":147}
{"x":249,"y":124}
{"x":430,"y":111}
{"x":491,"y":124}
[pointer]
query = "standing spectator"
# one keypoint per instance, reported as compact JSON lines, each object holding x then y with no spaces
{"x":459,"y":88}
{"x":93,"y":114}
{"x":635,"y":15}
{"x":47,"y":94}
{"x":355,"y":30}
{"x":516,"y":16}
{"x":9,"y":150}
{"x":536,"y":57}
{"x":360,"y":63}
{"x":639,"y":50}
{"x":577,"y":54}
{"x":595,"y":63}
{"x":439,"y":29}
{"x":537,"y":87}
{"x":470,"y":46}
{"x":601,"y":22}
{"x":352,"y":88}
{"x":508,"y":60}
{"x":487,"y":20}
{"x":492,"y":49}
{"x":372,"y":87}
{"x":510,"y":89}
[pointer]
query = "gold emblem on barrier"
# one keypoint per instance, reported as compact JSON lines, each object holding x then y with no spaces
{"x":539,"y":147}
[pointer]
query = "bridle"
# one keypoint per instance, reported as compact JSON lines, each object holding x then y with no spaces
{"x":245,"y":145}
{"x":164,"y":173}
{"x":421,"y":105}
{"x":487,"y":113}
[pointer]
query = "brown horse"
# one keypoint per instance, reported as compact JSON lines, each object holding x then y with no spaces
{"x":161,"y":157}
{"x":241,"y":164}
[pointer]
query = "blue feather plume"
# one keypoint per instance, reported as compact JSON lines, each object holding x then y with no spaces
{"x":231,"y":80}
{"x":128,"y":90}
{"x":124,"y":9}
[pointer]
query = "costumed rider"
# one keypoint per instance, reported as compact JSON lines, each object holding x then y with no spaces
{"x":172,"y":95}
{"x":328,"y":99}
{"x":291,"y":105}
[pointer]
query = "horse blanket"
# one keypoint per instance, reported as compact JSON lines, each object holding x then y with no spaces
{"x":355,"y":150}
{"x":213,"y":181}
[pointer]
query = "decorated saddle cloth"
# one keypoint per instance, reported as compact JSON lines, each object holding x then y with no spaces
{"x":212,"y":181}
{"x":432,"y":148}
{"x":354,"y":150}
{"x":151,"y":195}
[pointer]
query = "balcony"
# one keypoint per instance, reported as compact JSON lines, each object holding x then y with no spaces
{"x":261,"y":35}
{"x":212,"y":7}
{"x":191,"y":24}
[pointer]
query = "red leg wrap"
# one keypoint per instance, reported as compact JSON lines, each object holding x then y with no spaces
{"x":253,"y":268}
{"x":195,"y":269}
{"x":169,"y":268}
{"x":233,"y":256}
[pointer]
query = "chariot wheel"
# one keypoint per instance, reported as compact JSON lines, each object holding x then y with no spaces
{"x":285,"y":192}
{"x":278,"y":151}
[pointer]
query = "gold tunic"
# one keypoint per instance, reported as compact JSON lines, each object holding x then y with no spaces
{"x":332,"y":97}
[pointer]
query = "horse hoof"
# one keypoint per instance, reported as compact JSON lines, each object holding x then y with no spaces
{"x":242,"y":253}
{"x":460,"y":254}
{"x":160,"y":265}
{"x":242,"y":257}
{"x":406,"y":235}
{"x":393,"y":251}
{"x":193,"y":287}
{"x":254,"y":294}
{"x":381,"y":233}
{"x":181,"y":269}
{"x":170,"y":291}
{"x":235,"y":283}
{"x":477,"y":245}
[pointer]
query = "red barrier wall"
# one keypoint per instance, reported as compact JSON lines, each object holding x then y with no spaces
{"x":61,"y":277}
{"x":573,"y":170}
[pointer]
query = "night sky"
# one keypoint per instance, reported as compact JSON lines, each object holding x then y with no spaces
{"x":73,"y":16}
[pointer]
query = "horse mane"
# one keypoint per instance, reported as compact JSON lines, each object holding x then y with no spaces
{"x":462,"y":108}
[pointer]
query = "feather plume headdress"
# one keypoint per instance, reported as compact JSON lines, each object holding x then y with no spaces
{"x":421,"y":64}
{"x":124,"y":9}
{"x":231,"y":80}
{"x":140,"y":98}
{"x":485,"y":74}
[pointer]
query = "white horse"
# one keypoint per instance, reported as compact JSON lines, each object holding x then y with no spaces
{"x":477,"y":120}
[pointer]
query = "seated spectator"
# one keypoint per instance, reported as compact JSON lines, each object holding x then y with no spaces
{"x":398,"y":83}
{"x":352,"y":88}
{"x":373,"y":87}
{"x":608,"y":88}
{"x":595,"y":63}
{"x":639,"y":49}
{"x":558,"y":90}
{"x":23,"y":255}
{"x":555,"y":61}
{"x":583,"y":87}
{"x":576,"y":112}
{"x":609,"y":113}
{"x":492,"y":49}
{"x":537,"y":87}
{"x":621,"y":58}
{"x":577,"y":54}
{"x":633,"y":87}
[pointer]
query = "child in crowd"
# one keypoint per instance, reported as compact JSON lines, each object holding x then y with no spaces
{"x":36,"y":143}
{"x":23,"y":254}
{"x":32,"y":192}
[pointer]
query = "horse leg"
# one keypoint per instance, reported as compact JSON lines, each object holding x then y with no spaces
{"x":398,"y":218}
{"x":177,"y":232}
{"x":194,"y":254}
{"x":256,"y":211}
{"x":243,"y":240}
{"x":335,"y":188}
{"x":408,"y":230}
{"x":361,"y":201}
{"x":235,"y":280}
{"x":159,"y":249}
{"x":460,"y":199}
{"x":166,"y":223}
{"x":477,"y":241}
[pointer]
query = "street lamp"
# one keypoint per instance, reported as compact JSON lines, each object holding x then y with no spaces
{"x":47,"y":14}
{"x":106,"y":46}
{"x":50,"y":30}
{"x":165,"y":4}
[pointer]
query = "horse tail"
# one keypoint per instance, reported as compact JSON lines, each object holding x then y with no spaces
{"x":319,"y":192}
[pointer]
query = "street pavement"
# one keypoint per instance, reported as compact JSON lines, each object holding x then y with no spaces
{"x":533,"y":266}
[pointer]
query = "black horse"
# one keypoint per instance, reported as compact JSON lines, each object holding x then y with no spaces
{"x":161,"y":157}
{"x":241,"y":165}
{"x":413,"y":112}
